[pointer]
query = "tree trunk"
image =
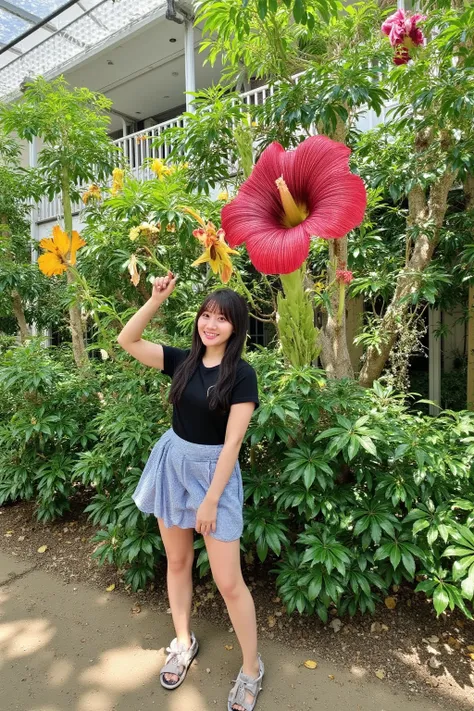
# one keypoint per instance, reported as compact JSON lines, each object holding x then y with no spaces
{"x":75,"y":321}
{"x":335,"y":356}
{"x":420,"y":211}
{"x":17,"y":304}
{"x":20,"y":316}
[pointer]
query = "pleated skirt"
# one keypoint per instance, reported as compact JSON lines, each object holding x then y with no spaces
{"x":176,"y":479}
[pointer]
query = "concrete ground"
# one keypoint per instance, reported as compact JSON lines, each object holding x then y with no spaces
{"x":77,"y":648}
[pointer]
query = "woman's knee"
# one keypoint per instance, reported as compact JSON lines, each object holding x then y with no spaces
{"x":180,"y":562}
{"x":230,"y":587}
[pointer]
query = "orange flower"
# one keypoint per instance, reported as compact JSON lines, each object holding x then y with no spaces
{"x":216,"y":250}
{"x":93,"y":193}
{"x":60,"y":251}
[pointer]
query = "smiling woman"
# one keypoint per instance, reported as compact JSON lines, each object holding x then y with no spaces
{"x":192,"y":479}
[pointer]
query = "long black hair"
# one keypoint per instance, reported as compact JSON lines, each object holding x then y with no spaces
{"x":235,"y":309}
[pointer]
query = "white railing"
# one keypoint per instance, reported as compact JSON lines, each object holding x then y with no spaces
{"x":137,"y":147}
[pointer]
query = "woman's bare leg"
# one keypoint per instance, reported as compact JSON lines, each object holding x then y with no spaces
{"x":224,"y":558}
{"x":178,"y":543}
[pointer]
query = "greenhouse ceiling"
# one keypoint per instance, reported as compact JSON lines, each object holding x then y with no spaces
{"x":44,"y":37}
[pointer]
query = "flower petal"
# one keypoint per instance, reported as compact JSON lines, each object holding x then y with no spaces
{"x":48,"y":244}
{"x":76,"y":243}
{"x":205,"y":257}
{"x":50,"y":264}
{"x":258,"y":199}
{"x":61,"y":240}
{"x":279,"y":251}
{"x":318,"y":172}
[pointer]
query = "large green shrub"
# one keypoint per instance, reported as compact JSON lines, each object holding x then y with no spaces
{"x":347,"y":491}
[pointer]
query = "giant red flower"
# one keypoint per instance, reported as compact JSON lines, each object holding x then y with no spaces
{"x":290,"y":197}
{"x":403,"y":33}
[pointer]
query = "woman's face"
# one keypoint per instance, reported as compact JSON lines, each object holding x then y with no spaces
{"x":213,"y":328}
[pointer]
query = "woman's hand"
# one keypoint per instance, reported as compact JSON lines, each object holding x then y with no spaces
{"x":206,"y":517}
{"x":163,"y":287}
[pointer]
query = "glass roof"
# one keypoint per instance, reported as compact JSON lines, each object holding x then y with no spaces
{"x":75,"y":31}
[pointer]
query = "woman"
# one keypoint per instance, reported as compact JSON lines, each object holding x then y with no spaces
{"x":192,"y":479}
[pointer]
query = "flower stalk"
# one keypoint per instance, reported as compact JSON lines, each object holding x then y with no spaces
{"x":296,"y":327}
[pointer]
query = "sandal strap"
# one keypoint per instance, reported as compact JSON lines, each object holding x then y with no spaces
{"x":178,"y":659}
{"x":244,"y":684}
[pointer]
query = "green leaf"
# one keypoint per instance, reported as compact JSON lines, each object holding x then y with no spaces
{"x":440,"y":599}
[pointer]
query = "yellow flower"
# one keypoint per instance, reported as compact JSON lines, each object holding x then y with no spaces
{"x":146,"y":229}
{"x":60,"y":251}
{"x":224,"y":196}
{"x":93,"y":193}
{"x":160,"y":169}
{"x":117,"y":181}
{"x":216,"y":251}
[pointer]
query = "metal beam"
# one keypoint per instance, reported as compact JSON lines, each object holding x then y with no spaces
{"x":35,"y":27}
{"x":16,"y":51}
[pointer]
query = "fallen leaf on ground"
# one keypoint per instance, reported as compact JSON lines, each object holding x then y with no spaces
{"x":229,"y":647}
{"x":470,"y":647}
{"x":42,"y":549}
{"x":454,"y":643}
{"x":111,"y":587}
{"x":8,"y":534}
{"x":380,"y":674}
{"x":310,"y":664}
{"x":390,"y":602}
{"x":331,"y":676}
{"x":271,"y":621}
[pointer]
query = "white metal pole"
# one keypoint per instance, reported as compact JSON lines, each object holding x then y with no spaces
{"x":434,"y":356}
{"x":32,"y":162}
{"x":189,"y":64}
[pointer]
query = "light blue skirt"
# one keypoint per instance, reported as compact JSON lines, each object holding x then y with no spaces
{"x":175,"y":481}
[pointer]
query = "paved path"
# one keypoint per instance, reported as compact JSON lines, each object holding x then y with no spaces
{"x":76,"y":648}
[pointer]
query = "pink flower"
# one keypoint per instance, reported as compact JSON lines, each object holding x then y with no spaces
{"x":290,"y":197}
{"x":344,"y":275}
{"x":402,"y":31}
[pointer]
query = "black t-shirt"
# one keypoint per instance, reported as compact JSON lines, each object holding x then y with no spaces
{"x":192,"y":418}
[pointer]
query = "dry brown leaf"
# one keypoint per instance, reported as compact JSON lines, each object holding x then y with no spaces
{"x":42,"y":549}
{"x":271,"y":621}
{"x":471,"y":655}
{"x":470,"y":647}
{"x":133,"y":271}
{"x":229,"y":647}
{"x":380,"y":674}
{"x":454,"y":643}
{"x":331,"y":676}
{"x":110,"y":588}
{"x":310,"y":664}
{"x":390,"y":602}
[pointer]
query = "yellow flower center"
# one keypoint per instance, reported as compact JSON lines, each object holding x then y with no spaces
{"x":294,"y":214}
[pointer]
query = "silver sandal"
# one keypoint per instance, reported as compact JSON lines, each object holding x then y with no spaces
{"x":244,"y":684}
{"x":178,"y":662}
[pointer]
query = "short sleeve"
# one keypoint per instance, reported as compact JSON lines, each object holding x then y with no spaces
{"x":246,"y":387}
{"x":172,"y":357}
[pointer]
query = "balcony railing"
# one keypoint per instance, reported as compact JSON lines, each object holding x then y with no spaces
{"x":137,"y":147}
